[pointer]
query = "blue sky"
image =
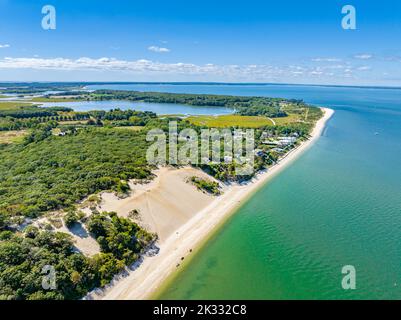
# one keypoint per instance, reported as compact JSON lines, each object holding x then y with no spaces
{"x":230,"y":41}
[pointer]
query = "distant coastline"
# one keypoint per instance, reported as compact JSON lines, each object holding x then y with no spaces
{"x":250,"y":84}
{"x":257,"y":84}
{"x":195,"y":83}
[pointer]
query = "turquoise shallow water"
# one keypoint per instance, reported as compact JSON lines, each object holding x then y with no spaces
{"x":338,"y":204}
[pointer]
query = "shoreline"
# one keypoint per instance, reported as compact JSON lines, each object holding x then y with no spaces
{"x":155,"y":271}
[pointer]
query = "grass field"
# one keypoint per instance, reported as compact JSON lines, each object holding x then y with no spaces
{"x":7,"y":137}
{"x":43,"y":99}
{"x":73,"y":122}
{"x":9,"y":105}
{"x":176,"y":115}
{"x":132,"y":128}
{"x":285,"y":120}
{"x":231,"y":120}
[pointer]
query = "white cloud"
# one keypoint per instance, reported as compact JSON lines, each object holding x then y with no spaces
{"x":158,"y":49}
{"x":326,"y":59}
{"x":250,"y":72}
{"x":105,"y":64}
{"x":364,"y":68}
{"x":364,"y":56}
{"x":4,"y":46}
{"x":335,"y":66}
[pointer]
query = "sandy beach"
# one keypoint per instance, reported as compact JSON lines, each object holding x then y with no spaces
{"x":183,"y":217}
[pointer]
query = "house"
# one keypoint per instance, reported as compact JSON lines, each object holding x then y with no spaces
{"x":271,"y":142}
{"x":266,"y":135}
{"x":285,"y":141}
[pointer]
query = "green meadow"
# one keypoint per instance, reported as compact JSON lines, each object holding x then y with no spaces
{"x":14,"y":136}
{"x":10,"y":105}
{"x":45,"y":99}
{"x":234,"y":120}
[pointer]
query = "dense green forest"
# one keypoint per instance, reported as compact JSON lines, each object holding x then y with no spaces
{"x":32,"y":112}
{"x":48,"y":172}
{"x":23,"y":257}
{"x":17,"y":118}
{"x":31,"y":117}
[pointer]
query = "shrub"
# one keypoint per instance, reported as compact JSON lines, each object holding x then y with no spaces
{"x":70,"y":219}
{"x":211,"y":187}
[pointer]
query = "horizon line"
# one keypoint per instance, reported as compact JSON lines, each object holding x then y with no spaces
{"x":204,"y":83}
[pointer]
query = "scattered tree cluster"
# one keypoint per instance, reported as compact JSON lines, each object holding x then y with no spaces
{"x":208,"y":186}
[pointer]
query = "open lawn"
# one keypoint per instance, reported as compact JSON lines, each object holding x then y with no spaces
{"x":225,"y":121}
{"x":289,"y":119}
{"x":7,"y":137}
{"x":10,"y":105}
{"x":231,"y":120}
{"x":43,"y":99}
{"x":73,"y":122}
{"x":176,"y":115}
{"x":132,"y":128}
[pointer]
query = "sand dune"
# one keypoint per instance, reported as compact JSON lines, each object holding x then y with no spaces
{"x":164,"y":204}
